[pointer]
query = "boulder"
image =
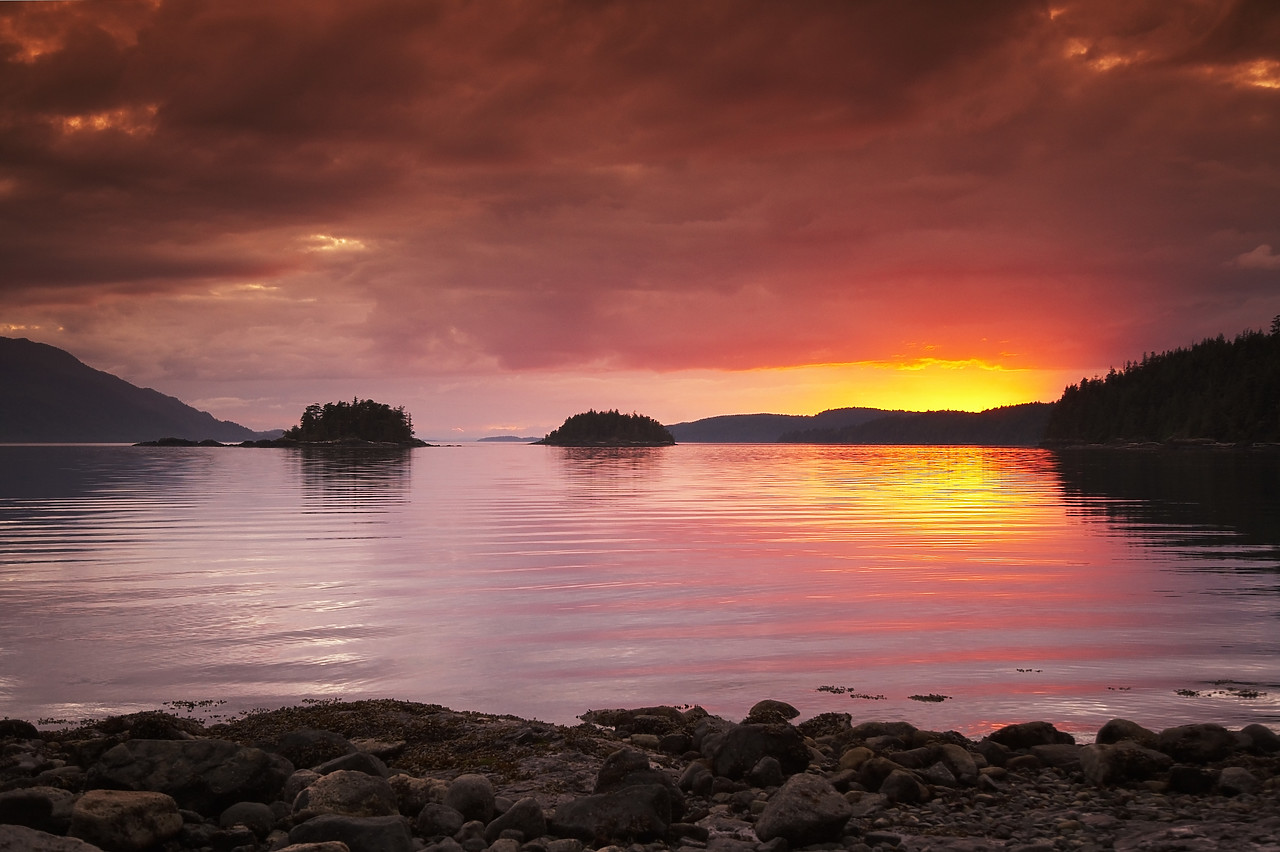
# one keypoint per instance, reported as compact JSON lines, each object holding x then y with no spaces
{"x":326,"y":846}
{"x":1058,"y":755}
{"x":640,"y":813}
{"x":1200,"y":743}
{"x":697,"y":779}
{"x":804,"y":811}
{"x":736,"y":751}
{"x":1024,"y":735}
{"x":437,"y":820}
{"x":826,"y":725}
{"x":1119,"y":730}
{"x":255,"y":816}
{"x":45,"y":808}
{"x":960,"y":762}
{"x":472,"y":796}
{"x":18,"y":729}
{"x":204,"y":775}
{"x":356,"y":761}
{"x":1260,"y":739}
{"x":628,"y":768}
{"x":525,"y":816}
{"x":766,"y":773}
{"x":1123,"y":762}
{"x":360,"y":834}
{"x":348,"y":793}
{"x":413,"y":794}
{"x":309,"y":747}
{"x":21,"y":838}
{"x":125,"y":820}
{"x":771,"y":710}
{"x":902,"y":787}
{"x":1236,"y":781}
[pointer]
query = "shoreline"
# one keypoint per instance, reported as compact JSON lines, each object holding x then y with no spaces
{"x":650,"y":779}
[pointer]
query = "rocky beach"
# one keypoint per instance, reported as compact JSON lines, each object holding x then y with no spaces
{"x":394,"y":776}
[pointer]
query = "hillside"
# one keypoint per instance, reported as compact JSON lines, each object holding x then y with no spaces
{"x":1009,"y":426}
{"x":1219,"y":390}
{"x":766,"y":428}
{"x":51,"y":397}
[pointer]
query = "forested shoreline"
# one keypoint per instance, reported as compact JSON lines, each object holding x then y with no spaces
{"x":1219,"y":390}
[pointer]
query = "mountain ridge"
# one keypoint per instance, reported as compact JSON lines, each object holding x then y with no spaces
{"x":50,"y":396}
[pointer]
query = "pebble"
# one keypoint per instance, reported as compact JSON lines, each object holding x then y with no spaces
{"x":824,"y":784}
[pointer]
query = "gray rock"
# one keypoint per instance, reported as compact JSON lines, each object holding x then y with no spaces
{"x":437,"y":820}
{"x":634,"y":813}
{"x":697,"y":779}
{"x":766,"y":773}
{"x":736,"y":752}
{"x":255,"y":816}
{"x":45,"y":808}
{"x":203,"y":775}
{"x":902,"y":787}
{"x":1236,"y":780}
{"x":1188,"y":778}
{"x":356,"y":761}
{"x":472,"y":796}
{"x":125,"y":820}
{"x":21,"y":838}
{"x":772,"y":708}
{"x":565,"y":844}
{"x":361,"y":834}
{"x":309,"y":747}
{"x":805,"y":810}
{"x":960,"y":762}
{"x":326,"y":846}
{"x":525,"y":816}
{"x":1261,"y":739}
{"x":1119,"y":730}
{"x":1124,"y":762}
{"x":903,"y":731}
{"x":297,"y":782}
{"x":629,"y":768}
{"x":348,"y":793}
{"x":1058,"y":755}
{"x":1199,"y":743}
{"x":1027,"y":734}
{"x":18,"y":729}
{"x":413,"y":794}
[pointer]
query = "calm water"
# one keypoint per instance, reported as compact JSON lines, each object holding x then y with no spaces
{"x":544,"y":582}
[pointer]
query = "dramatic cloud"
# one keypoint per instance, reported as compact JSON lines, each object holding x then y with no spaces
{"x":504,"y":204}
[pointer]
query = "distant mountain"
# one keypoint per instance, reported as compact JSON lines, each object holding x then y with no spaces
{"x":766,"y":428}
{"x":48,"y":396}
{"x":1010,"y":426}
{"x":507,"y":439}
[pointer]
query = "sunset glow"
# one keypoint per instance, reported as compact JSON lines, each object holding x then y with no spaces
{"x":503,"y":213}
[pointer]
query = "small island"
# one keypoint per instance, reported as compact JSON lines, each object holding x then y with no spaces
{"x":359,"y":423}
{"x":609,"y":429}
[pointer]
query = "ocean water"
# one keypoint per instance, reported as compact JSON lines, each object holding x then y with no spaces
{"x":954,"y":587}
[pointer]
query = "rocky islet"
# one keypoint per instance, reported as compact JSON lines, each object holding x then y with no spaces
{"x":385,"y":776}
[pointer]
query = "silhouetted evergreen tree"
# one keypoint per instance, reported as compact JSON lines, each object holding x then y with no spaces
{"x":360,"y":419}
{"x":610,"y":428}
{"x":1219,"y":389}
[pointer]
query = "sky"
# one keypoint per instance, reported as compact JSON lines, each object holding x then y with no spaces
{"x":502,"y":213}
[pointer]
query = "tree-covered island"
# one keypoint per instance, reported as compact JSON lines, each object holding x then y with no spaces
{"x":609,"y":429}
{"x":361,"y":421}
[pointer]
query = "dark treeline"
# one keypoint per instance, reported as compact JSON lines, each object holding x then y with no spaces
{"x":1219,"y":389}
{"x":1010,"y":426}
{"x":360,"y":419}
{"x":609,"y":427}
